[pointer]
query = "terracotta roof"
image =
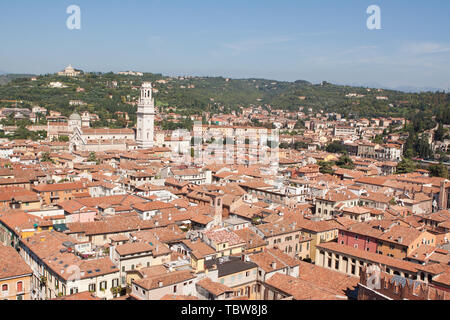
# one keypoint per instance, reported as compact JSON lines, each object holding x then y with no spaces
{"x":247,"y":211}
{"x":110,"y":225}
{"x":124,"y":200}
{"x":12,"y":264}
{"x":309,"y":225}
{"x":152,"y":205}
{"x":254,"y":184}
{"x":49,"y":245}
{"x":370,"y":256}
{"x":17,"y":193}
{"x":338,"y":196}
{"x":326,"y":278}
{"x":17,"y":220}
{"x":59,"y":186}
{"x":164,"y":280}
{"x":299,"y":289}
{"x":186,"y":172}
{"x":377,"y":181}
{"x":401,"y":235}
{"x":215,"y":288}
{"x":356,"y":210}
{"x":151,"y":271}
{"x":95,"y":131}
{"x":168,"y":234}
{"x":199,"y":249}
{"x":222,"y":236}
{"x":273,"y":259}
{"x":133,"y":248}
{"x":252,"y":239}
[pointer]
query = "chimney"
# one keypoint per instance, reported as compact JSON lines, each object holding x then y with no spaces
{"x":160,"y":284}
{"x":273,"y":265}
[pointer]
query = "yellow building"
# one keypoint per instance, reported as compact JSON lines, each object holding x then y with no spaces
{"x":17,"y":224}
{"x":224,"y":241}
{"x":143,"y":272}
{"x":254,"y":243}
{"x":59,"y":192}
{"x":316,"y":231}
{"x":15,"y":275}
{"x":400,"y":241}
{"x":17,"y":197}
{"x":199,"y":252}
{"x":240,"y":275}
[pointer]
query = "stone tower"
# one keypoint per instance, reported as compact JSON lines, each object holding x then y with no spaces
{"x":216,"y":204}
{"x":74,"y":122}
{"x":145,"y":117}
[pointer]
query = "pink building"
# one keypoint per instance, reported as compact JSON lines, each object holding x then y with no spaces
{"x":360,"y":236}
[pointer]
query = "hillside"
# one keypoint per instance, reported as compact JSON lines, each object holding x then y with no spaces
{"x":107,"y":93}
{"x":7,"y":78}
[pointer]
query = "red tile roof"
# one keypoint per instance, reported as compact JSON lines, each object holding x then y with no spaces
{"x":12,"y":264}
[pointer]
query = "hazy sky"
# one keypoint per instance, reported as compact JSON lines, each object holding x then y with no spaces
{"x":313,"y":40}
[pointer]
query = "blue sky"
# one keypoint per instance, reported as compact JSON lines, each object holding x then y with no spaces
{"x":314,"y":40}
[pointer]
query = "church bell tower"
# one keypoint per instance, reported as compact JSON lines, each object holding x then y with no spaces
{"x":145,"y":117}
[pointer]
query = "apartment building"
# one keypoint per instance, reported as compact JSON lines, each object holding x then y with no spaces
{"x":15,"y":275}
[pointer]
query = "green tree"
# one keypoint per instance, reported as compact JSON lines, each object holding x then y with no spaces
{"x":336,"y":147}
{"x":439,"y":170}
{"x":299,"y":124}
{"x":345,"y":162}
{"x":439,"y":134}
{"x":22,"y":133}
{"x":46,"y":157}
{"x":300,"y":145}
{"x":326,"y":167}
{"x":93,"y":158}
{"x":423,"y":148}
{"x":378,"y":139}
{"x":406,"y":166}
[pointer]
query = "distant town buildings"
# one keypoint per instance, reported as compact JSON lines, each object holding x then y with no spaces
{"x":130,"y":73}
{"x":252,"y":205}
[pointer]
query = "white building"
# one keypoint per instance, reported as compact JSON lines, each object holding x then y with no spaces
{"x":145,"y":117}
{"x":57,"y":84}
{"x":69,"y":71}
{"x":131,"y":73}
